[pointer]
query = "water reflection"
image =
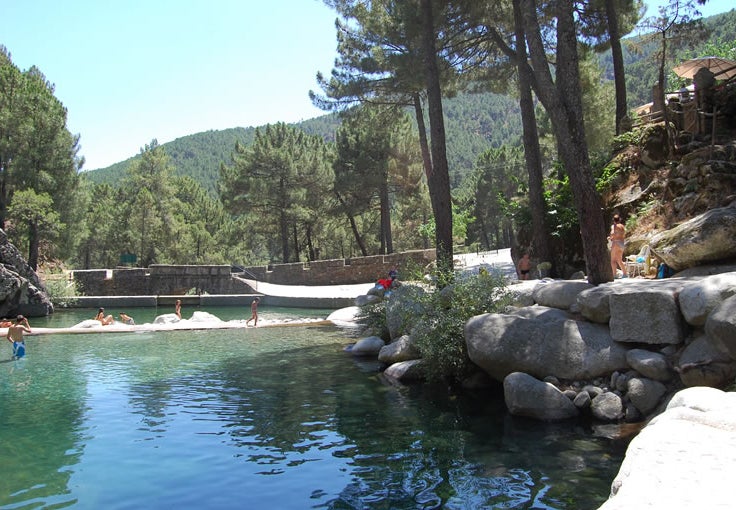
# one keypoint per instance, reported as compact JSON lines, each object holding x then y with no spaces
{"x":267,"y":418}
{"x":37,"y":425}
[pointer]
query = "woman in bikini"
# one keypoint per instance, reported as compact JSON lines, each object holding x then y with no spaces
{"x":617,"y":236}
{"x":105,"y":320}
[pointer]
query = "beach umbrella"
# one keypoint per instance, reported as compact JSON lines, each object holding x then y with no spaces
{"x":722,"y":68}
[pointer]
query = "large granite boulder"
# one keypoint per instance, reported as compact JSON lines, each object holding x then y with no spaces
{"x":701,"y":364}
{"x":406,"y":371}
{"x":679,"y":459}
{"x":648,"y":315}
{"x":703,"y":239}
{"x":527,"y":396}
{"x":650,"y":364}
{"x":401,"y":349}
{"x":543,"y":345}
{"x":607,"y":406}
{"x":21,"y":292}
{"x":367,"y":299}
{"x":645,"y":393}
{"x":404,"y":304}
{"x":560,"y":294}
{"x":699,"y":298}
{"x":594,"y":304}
{"x":368,"y":346}
{"x":654,"y":148}
{"x":522,"y":293}
{"x":720,"y":327}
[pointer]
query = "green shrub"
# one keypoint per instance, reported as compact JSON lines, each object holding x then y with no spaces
{"x":643,"y":210}
{"x":437,"y":316}
{"x":439,"y":330}
{"x":372,"y":317}
{"x":61,"y":292}
{"x":634,"y":137}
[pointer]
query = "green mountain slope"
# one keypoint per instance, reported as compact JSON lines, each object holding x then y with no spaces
{"x":474,"y":122}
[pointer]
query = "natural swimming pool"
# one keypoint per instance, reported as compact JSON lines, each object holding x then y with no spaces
{"x":266,"y":418}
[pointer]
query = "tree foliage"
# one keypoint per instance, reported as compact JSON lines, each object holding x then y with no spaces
{"x":318,"y":190}
{"x":278,"y":184}
{"x":38,"y":154}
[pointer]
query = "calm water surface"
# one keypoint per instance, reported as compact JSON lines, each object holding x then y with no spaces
{"x":266,"y":418}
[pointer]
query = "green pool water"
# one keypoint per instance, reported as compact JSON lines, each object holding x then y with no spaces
{"x":266,"y":418}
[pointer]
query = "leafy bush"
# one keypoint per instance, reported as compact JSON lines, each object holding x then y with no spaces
{"x":61,"y":292}
{"x":642,"y":211}
{"x":437,"y":315}
{"x":439,"y":330}
{"x":373,"y":319}
{"x":634,"y":137}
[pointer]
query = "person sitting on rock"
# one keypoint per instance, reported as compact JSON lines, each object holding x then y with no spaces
{"x":104,"y":320}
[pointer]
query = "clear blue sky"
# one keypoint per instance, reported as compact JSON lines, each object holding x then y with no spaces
{"x":129,"y":71}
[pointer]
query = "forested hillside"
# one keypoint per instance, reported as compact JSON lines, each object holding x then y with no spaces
{"x":340,"y":186}
{"x":474,"y":122}
{"x":641,"y":69}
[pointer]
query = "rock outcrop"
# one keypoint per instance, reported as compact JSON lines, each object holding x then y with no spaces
{"x":617,"y":351}
{"x":527,"y":396}
{"x":545,"y":345}
{"x":661,"y":336}
{"x":700,"y":240}
{"x":679,"y":459}
{"x":21,"y":292}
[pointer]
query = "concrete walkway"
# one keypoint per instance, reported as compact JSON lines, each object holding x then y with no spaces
{"x":499,"y":260}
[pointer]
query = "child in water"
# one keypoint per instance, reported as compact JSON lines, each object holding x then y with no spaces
{"x":15,"y":336}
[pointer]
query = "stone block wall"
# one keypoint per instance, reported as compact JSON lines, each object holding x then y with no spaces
{"x":158,"y":279}
{"x":339,"y":271}
{"x":166,"y":279}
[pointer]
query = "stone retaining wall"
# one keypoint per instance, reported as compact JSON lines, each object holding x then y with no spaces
{"x":159,"y":279}
{"x":205,"y":300}
{"x":166,"y":279}
{"x":339,"y":271}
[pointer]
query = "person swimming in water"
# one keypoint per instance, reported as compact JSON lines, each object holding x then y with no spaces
{"x":126,"y":319}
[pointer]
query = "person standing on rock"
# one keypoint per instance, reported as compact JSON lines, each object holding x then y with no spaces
{"x":254,"y":313}
{"x":525,"y":267}
{"x":15,"y":336}
{"x":617,"y":237}
{"x":177,"y":308}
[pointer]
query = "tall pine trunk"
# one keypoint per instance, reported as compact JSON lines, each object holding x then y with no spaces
{"x":387,"y":241}
{"x":619,"y":79}
{"x":563,"y":101}
{"x":423,"y":142}
{"x":541,"y":246}
{"x":439,"y":179}
{"x":284,"y":230}
{"x":353,"y":225}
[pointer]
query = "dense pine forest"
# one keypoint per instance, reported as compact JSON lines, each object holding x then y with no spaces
{"x":436,"y":133}
{"x":475,"y":122}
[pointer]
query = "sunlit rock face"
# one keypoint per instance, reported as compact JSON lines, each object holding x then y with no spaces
{"x":703,"y":239}
{"x":21,"y":292}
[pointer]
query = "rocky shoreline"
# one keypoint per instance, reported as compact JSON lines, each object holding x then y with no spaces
{"x":634,"y":350}
{"x":618,"y":351}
